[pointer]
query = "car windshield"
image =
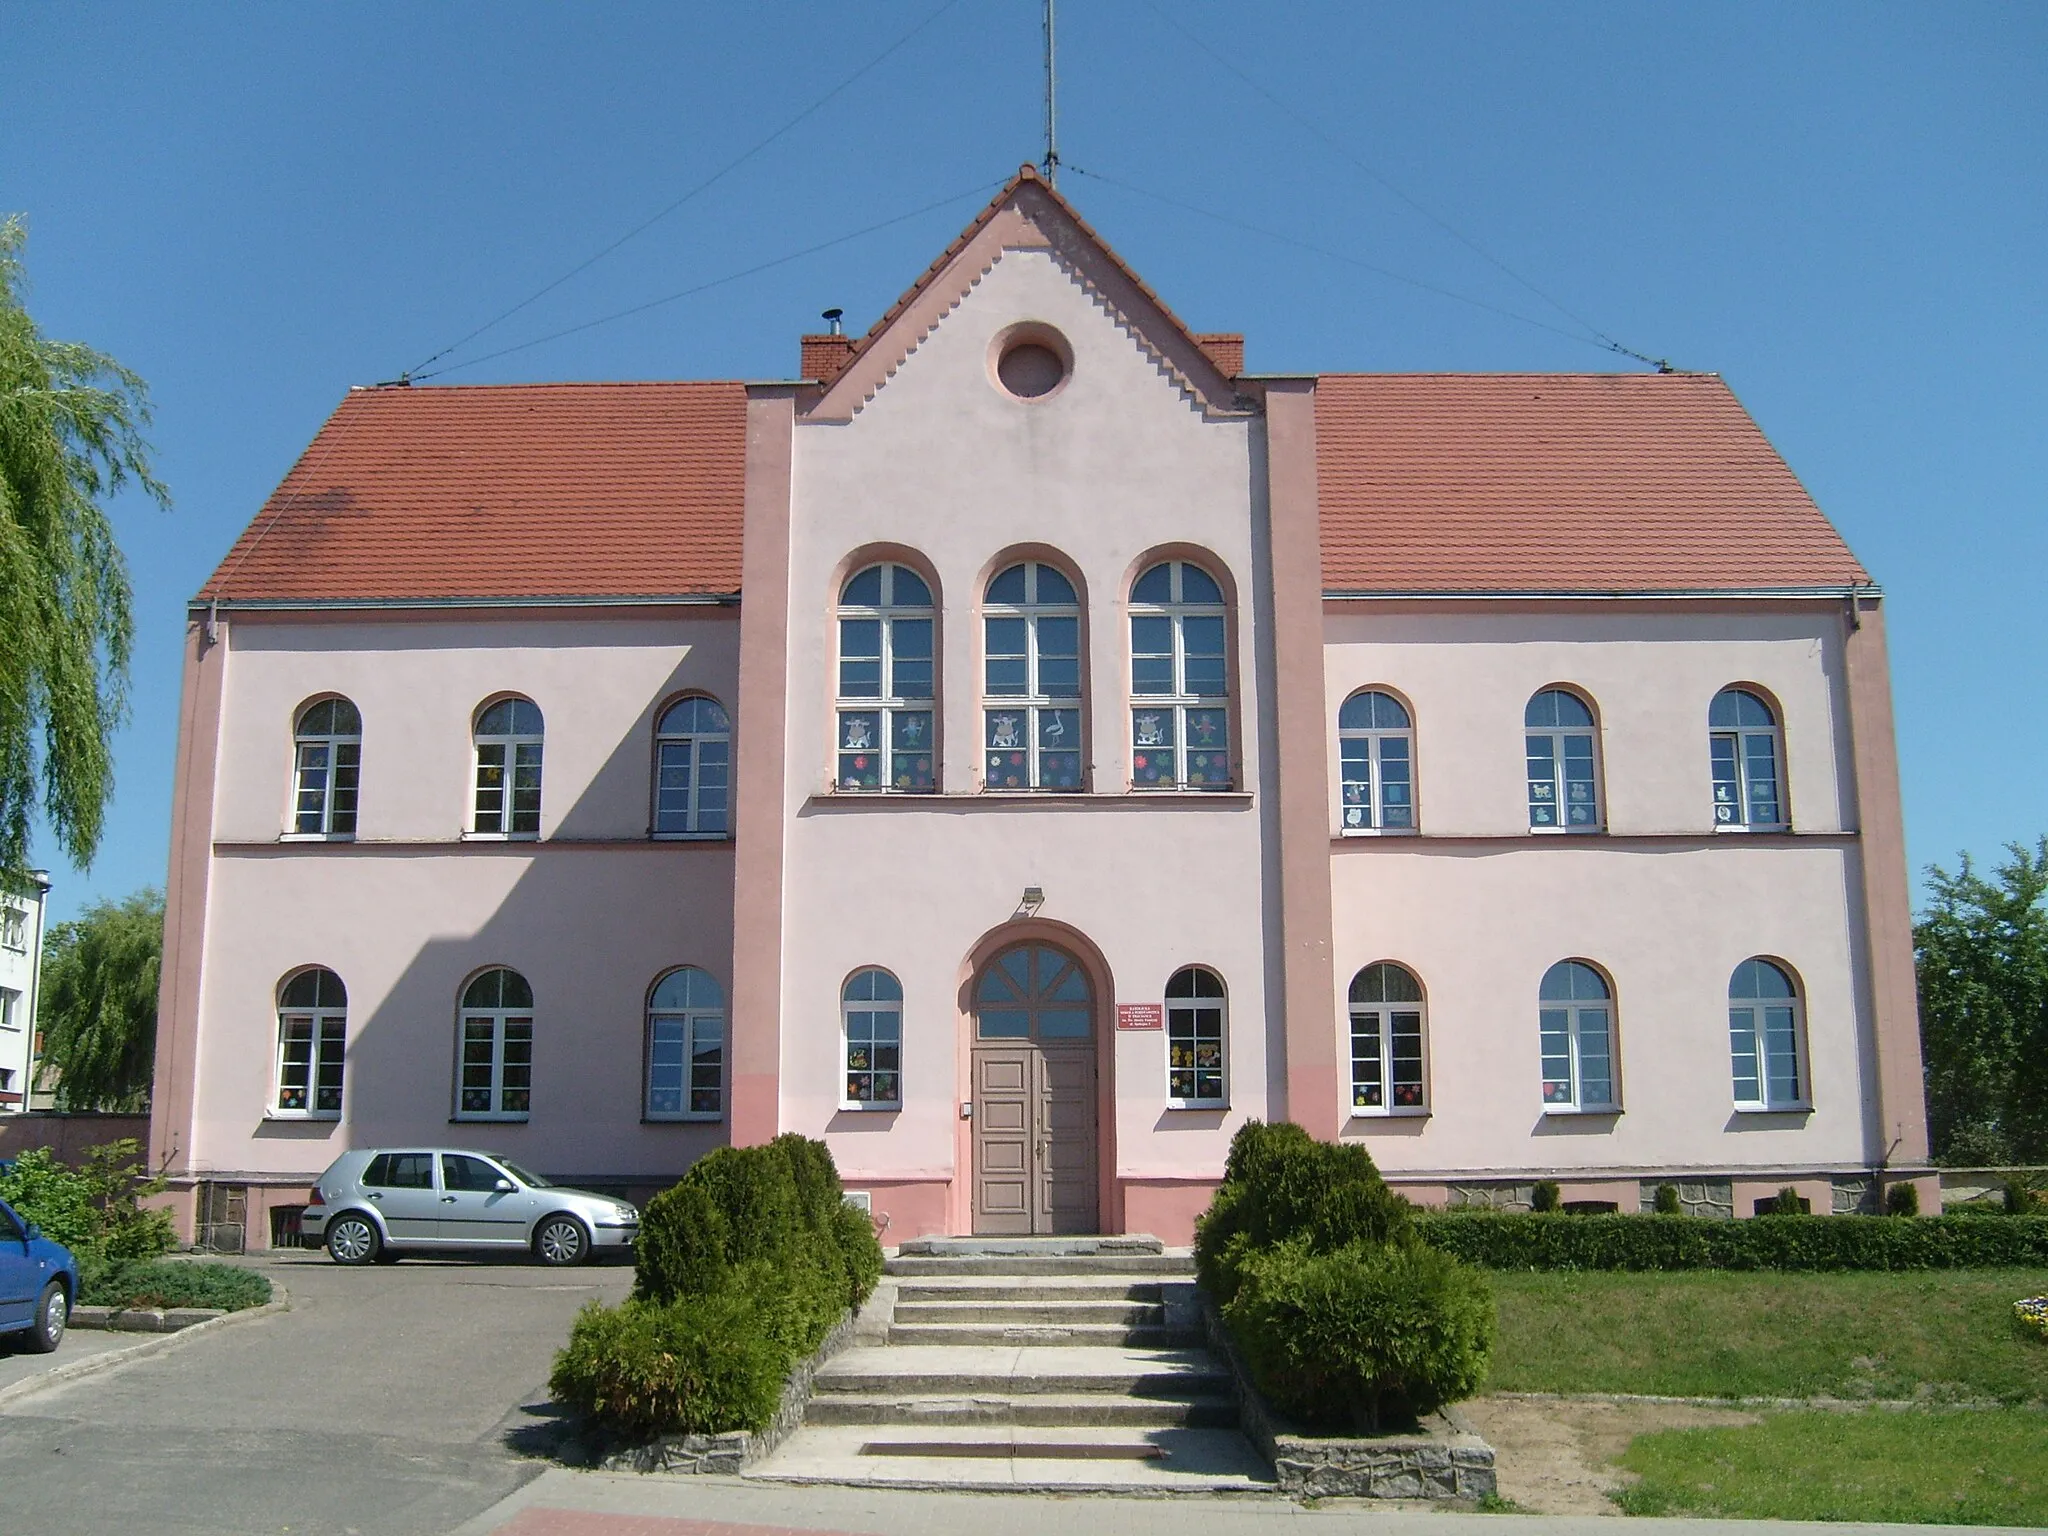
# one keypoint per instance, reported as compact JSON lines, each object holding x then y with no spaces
{"x":530,"y":1180}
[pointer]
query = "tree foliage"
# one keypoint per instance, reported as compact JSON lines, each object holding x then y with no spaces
{"x":71,"y":423}
{"x":98,"y":1007}
{"x":1982,"y":952}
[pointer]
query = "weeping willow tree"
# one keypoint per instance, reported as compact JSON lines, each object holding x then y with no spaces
{"x":71,"y":422}
{"x":97,"y":1012}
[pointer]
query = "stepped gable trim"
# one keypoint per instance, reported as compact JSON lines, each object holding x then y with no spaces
{"x":1029,"y":214}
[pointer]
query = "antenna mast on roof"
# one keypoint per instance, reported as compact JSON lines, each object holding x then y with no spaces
{"x":1052,"y":140}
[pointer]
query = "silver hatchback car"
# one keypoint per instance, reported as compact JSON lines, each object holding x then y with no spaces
{"x":374,"y":1205}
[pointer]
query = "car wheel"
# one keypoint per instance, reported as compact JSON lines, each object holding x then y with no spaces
{"x":53,"y":1311}
{"x":561,"y":1240}
{"x":352,"y":1239}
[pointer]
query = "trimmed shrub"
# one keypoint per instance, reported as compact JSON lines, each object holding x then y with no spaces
{"x":1666,"y":1203}
{"x":755,"y":1189}
{"x":682,"y":1244}
{"x":859,"y":1248}
{"x":816,"y":1177}
{"x":1517,"y":1240}
{"x":1546,"y":1196}
{"x":1365,"y":1338}
{"x":171,"y":1283}
{"x":702,"y":1366}
{"x":1902,"y":1200}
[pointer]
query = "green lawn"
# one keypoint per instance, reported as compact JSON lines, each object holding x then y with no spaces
{"x":1953,"y":1467}
{"x":1946,"y":1334}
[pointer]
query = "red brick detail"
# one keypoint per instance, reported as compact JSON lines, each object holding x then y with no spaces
{"x":824,"y":357}
{"x":1225,"y":349}
{"x":528,"y":490}
{"x":1559,"y":482}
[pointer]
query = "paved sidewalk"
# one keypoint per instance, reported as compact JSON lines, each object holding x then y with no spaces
{"x":561,"y":1503}
{"x":17,"y":1365}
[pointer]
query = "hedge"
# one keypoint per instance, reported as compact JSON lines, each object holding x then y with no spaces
{"x":741,"y":1270}
{"x":1523,"y":1240}
{"x":171,"y":1283}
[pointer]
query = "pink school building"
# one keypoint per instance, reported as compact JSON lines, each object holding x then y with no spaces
{"x":1024,"y":748}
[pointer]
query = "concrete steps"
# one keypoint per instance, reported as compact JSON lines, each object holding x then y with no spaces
{"x":1048,"y":1364}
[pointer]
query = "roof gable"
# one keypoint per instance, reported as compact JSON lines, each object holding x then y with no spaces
{"x":1027,"y":214}
{"x":1564,"y":483}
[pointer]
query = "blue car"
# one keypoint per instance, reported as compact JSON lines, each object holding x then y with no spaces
{"x":38,"y":1284}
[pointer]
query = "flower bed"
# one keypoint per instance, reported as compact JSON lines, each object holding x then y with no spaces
{"x":2033,"y":1315}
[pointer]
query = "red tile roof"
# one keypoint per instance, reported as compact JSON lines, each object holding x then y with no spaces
{"x":1559,"y":482}
{"x":529,"y":490}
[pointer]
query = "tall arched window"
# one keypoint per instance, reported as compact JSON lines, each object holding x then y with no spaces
{"x":328,"y":743}
{"x":1197,"y":1030}
{"x":1031,"y":684}
{"x":1577,"y":1030}
{"x":1180,"y":680}
{"x":888,"y":688}
{"x":686,"y":1047}
{"x":692,"y":769}
{"x":508,"y":743}
{"x":1743,"y":742}
{"x":871,"y":1020}
{"x":1765,"y":1037}
{"x":494,"y":1073}
{"x":1388,"y":1073}
{"x":312,"y":1039}
{"x":1564,"y":763}
{"x":1376,"y":742}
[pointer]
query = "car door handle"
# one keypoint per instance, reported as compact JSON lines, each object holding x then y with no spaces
{"x":376,"y":1195}
{"x":447,"y":1199}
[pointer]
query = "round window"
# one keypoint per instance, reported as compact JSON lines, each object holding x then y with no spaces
{"x":1031,"y":369}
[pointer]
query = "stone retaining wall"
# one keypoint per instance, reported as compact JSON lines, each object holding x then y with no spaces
{"x":1444,"y":1460}
{"x":737,"y":1449}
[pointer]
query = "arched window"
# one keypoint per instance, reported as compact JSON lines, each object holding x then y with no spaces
{"x":1577,"y":1030}
{"x":312,"y":1039}
{"x":871,"y":1018}
{"x":328,"y":758}
{"x":1387,"y":1033}
{"x":1031,"y":683}
{"x":686,"y":1047}
{"x":1197,"y":1027}
{"x":1564,"y":766}
{"x":692,"y":769}
{"x":1376,"y":742}
{"x":494,"y":1075}
{"x":1742,"y":738}
{"x":888,"y":692}
{"x":1180,"y":680}
{"x":1765,"y":1036}
{"x":508,"y":743}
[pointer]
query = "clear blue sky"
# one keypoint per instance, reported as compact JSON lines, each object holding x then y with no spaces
{"x":1842,"y":208}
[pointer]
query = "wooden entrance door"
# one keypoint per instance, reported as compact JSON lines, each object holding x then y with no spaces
{"x":1034,"y":1095}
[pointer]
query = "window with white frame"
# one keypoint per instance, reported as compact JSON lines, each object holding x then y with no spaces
{"x":10,"y":1008}
{"x":871,"y":1019}
{"x":888,"y":686}
{"x":1376,"y":745}
{"x":13,"y":929}
{"x":508,"y":751}
{"x":327,"y":761}
{"x":1180,"y":680}
{"x":1564,"y":764}
{"x":1388,"y":1071}
{"x":495,"y":1067}
{"x":686,"y":1047}
{"x":312,"y":1041}
{"x":1744,"y":744}
{"x":1031,"y":680}
{"x":1765,"y":1037}
{"x":1197,"y":1025}
{"x":692,"y":769}
{"x":1577,"y":1039}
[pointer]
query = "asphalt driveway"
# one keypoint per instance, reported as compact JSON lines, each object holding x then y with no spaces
{"x":391,"y":1399}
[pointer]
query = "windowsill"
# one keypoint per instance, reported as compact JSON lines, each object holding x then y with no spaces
{"x":1035,"y":799}
{"x":1597,"y":1112}
{"x":694,"y":1118}
{"x":690,"y":837}
{"x":501,"y":837}
{"x":316,"y":837}
{"x":1380,"y":832}
{"x":1746,"y":829}
{"x":1566,"y":831}
{"x":1774,"y":1109}
{"x":480,"y":1119}
{"x":1209,"y":1104}
{"x":1399,"y":1112}
{"x":851,"y":1107}
{"x":302,"y":1114}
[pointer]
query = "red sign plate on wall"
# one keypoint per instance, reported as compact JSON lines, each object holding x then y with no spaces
{"x":1141,"y":1016}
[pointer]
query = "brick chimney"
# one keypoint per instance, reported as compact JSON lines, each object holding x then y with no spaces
{"x":825,"y":357}
{"x":1225,"y":349}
